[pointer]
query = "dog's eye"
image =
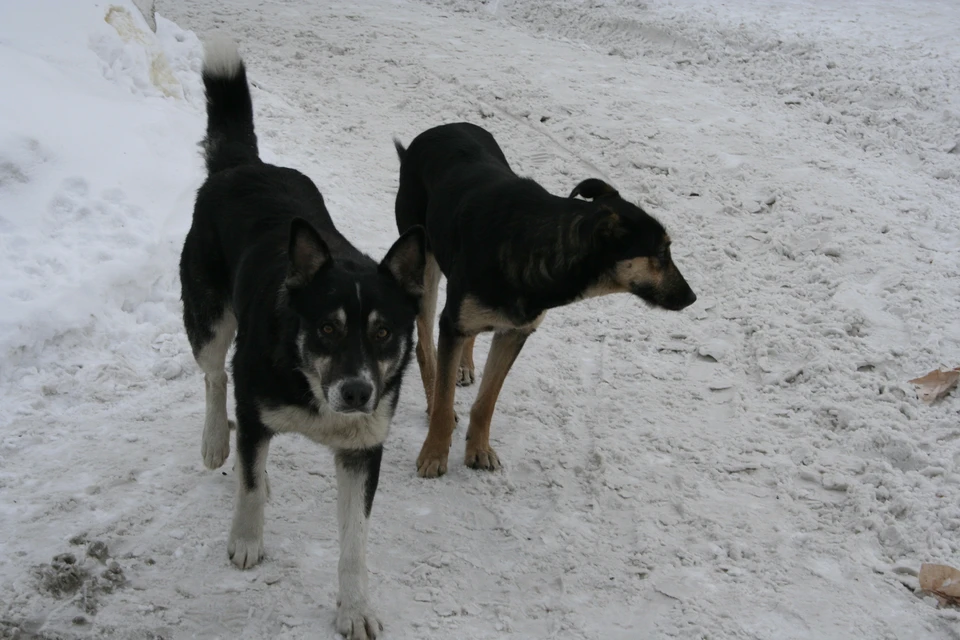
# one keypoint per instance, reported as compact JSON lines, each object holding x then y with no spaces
{"x":382,"y":334}
{"x":328,"y":329}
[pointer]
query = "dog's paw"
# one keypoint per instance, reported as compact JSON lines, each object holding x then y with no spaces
{"x":481,"y":458}
{"x":215,"y":446}
{"x":358,"y":622}
{"x":432,"y":461}
{"x":245,"y":551}
{"x":465,"y":376}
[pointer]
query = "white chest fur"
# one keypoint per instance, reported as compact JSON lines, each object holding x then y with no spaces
{"x":327,"y":427}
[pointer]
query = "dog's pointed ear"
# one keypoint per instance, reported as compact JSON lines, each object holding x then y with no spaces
{"x":406,"y":260}
{"x":593,"y":188}
{"x":307,"y":252}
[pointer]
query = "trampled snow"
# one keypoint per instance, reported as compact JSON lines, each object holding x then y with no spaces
{"x":755,"y":466}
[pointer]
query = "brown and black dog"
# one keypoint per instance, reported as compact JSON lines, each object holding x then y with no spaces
{"x":510,"y":251}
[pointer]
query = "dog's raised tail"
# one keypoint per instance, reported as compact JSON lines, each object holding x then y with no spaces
{"x":401,"y":150}
{"x":230,"y":139}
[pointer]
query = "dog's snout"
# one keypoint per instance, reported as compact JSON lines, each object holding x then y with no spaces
{"x":681,"y":293}
{"x":356,"y":393}
{"x":682,"y":300}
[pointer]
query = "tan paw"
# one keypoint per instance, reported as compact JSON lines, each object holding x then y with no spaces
{"x":432,"y":461}
{"x":482,"y":458}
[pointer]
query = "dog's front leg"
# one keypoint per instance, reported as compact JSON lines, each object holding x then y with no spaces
{"x":432,"y":461}
{"x":245,"y":545}
{"x":358,"y":472}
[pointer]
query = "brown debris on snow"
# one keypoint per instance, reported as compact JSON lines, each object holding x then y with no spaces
{"x":936,"y":384}
{"x":942,"y":581}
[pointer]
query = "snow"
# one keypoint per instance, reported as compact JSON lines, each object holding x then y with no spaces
{"x":753,"y":467}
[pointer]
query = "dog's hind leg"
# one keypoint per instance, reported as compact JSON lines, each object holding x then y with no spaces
{"x":466,"y":375}
{"x":504,"y":349}
{"x":245,"y":546}
{"x":426,"y":350}
{"x":432,"y":461}
{"x":212,"y":357}
{"x":210,"y":325}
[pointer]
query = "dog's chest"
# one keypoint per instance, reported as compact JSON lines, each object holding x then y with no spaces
{"x":337,"y":430}
{"x":475,"y":316}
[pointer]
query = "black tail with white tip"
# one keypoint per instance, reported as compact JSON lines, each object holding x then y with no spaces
{"x":230,"y":140}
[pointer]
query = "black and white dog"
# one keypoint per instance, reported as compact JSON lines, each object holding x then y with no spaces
{"x":323,"y":333}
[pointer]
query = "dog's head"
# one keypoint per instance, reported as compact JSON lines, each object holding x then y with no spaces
{"x":638,"y":246}
{"x":355,"y":322}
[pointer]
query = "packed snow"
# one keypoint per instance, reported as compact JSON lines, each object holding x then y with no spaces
{"x":754,"y":467}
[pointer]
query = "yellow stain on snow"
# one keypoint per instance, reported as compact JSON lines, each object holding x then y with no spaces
{"x":161,"y":75}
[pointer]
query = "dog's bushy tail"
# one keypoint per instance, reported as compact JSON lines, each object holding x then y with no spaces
{"x":401,"y":150}
{"x":230,"y":140}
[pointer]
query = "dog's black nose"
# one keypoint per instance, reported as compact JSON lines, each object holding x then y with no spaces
{"x":356,"y":393}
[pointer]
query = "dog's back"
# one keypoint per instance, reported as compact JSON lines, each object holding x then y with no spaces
{"x":244,"y":200}
{"x":454,"y":155}
{"x":456,"y":182}
{"x":453,"y":146}
{"x":243,"y":210}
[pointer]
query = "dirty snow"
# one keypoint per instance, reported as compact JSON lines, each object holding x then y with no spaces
{"x":753,"y":467}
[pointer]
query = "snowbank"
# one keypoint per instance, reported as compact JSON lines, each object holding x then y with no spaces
{"x":98,"y":162}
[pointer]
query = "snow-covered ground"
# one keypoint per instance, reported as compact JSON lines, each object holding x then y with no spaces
{"x":753,"y":467}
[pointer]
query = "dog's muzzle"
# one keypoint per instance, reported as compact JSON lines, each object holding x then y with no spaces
{"x":352,"y":395}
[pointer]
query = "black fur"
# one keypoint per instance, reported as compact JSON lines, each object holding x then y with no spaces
{"x":491,"y":230}
{"x":510,"y":251}
{"x":401,"y":150}
{"x":230,"y":139}
{"x":235,"y":257}
{"x":323,"y":332}
{"x":593,"y":188}
{"x":364,"y":462}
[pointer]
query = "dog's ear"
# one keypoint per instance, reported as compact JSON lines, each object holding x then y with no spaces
{"x":593,"y":188}
{"x":307,"y":252}
{"x":608,"y":225}
{"x":406,"y":260}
